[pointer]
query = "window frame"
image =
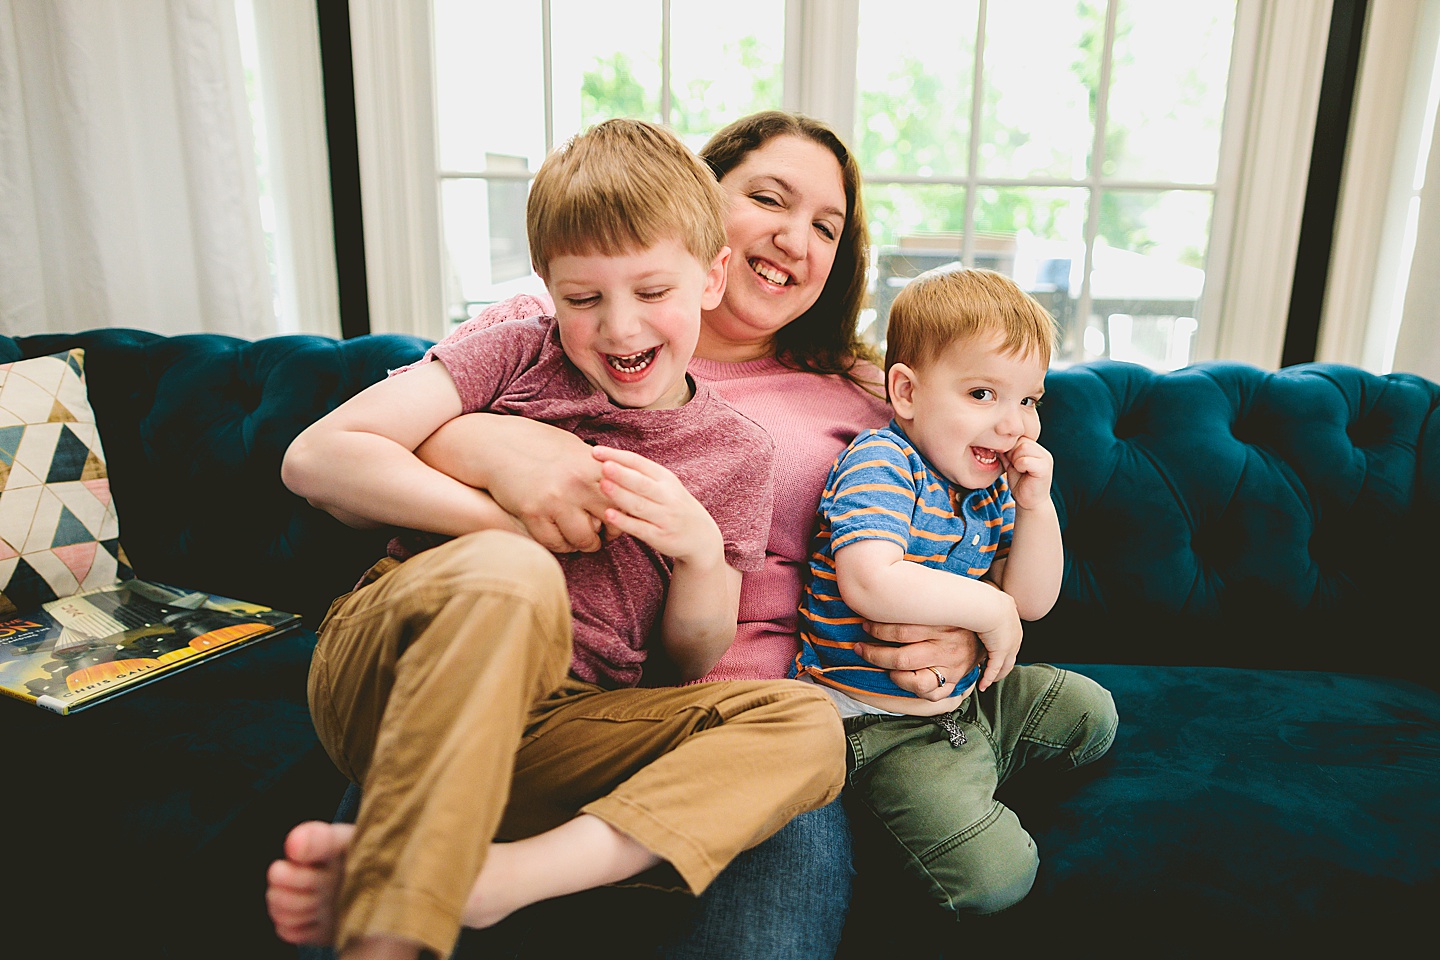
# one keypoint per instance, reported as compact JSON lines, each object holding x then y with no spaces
{"x":1276,"y":66}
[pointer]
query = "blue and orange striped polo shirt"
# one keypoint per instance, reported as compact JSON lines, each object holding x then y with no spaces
{"x":882,"y":488}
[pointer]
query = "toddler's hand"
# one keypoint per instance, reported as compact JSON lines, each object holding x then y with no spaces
{"x":650,"y":503}
{"x":1002,"y":647}
{"x":1028,"y":469}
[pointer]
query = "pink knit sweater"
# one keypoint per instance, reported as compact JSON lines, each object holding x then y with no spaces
{"x":811,"y":419}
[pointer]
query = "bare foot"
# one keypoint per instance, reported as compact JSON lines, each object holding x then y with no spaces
{"x":302,"y":888}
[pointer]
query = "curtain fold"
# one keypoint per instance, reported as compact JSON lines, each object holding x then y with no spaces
{"x":128,"y":194}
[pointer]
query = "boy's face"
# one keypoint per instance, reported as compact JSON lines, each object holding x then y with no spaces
{"x":968,"y":406}
{"x":629,"y":321}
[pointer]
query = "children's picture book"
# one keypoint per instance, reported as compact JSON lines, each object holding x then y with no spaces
{"x":86,"y":648}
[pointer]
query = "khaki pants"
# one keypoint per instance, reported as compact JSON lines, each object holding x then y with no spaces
{"x":442,"y":687}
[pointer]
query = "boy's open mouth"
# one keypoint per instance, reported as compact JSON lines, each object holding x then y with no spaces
{"x":985,"y":455}
{"x":633,"y":363}
{"x":766,"y":272}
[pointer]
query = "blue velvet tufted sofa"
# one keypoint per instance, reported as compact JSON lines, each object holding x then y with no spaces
{"x":1250,"y":569}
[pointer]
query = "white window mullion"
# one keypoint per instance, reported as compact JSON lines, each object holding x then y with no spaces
{"x":1097,"y":163}
{"x":822,"y":40}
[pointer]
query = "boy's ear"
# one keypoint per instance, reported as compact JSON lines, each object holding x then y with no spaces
{"x":900,"y":384}
{"x":715,"y":280}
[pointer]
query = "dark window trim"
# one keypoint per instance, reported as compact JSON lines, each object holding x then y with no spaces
{"x":338,"y":72}
{"x":1322,"y":191}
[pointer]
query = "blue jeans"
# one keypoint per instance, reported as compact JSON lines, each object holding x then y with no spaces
{"x":783,"y":900}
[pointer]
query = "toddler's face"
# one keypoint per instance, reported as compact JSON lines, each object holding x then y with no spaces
{"x":630,"y":321}
{"x":969,"y":405}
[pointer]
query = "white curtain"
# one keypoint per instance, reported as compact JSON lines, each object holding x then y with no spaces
{"x":128,"y":192}
{"x":1417,"y":346}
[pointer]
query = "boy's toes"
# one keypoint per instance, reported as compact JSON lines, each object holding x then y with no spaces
{"x":318,"y":843}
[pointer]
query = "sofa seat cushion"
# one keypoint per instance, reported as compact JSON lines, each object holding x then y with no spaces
{"x":1283,"y":807}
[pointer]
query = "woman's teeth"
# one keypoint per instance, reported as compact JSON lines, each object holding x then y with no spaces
{"x":778,"y":277}
{"x":633,"y":363}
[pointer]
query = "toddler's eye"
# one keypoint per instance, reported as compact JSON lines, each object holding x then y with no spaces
{"x":982,"y":393}
{"x":1035,"y":402}
{"x":581,"y":301}
{"x":650,"y":296}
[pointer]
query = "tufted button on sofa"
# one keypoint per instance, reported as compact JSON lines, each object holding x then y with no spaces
{"x":1249,"y":569}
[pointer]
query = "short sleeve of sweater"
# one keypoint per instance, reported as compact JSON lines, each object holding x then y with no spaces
{"x":871,"y":494}
{"x":486,"y":361}
{"x":738,"y":485}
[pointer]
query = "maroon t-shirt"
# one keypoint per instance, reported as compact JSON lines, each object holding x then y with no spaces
{"x":723,"y":458}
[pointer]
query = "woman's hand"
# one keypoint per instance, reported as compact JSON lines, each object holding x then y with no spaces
{"x":952,"y":651}
{"x":543,"y":476}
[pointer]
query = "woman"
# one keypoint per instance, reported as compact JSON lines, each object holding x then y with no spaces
{"x":783,"y":348}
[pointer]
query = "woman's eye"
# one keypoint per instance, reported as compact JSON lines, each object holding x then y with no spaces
{"x":765,"y":198}
{"x":826,"y":231}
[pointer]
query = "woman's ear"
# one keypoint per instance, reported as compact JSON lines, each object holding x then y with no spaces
{"x":900,"y":385}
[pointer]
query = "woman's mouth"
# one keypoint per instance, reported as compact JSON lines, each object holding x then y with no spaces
{"x":768,"y":273}
{"x":631,"y":366}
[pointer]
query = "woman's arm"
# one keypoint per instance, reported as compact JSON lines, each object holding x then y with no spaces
{"x":358,"y":461}
{"x":541,"y":475}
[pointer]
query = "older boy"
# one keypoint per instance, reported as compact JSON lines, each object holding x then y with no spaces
{"x":920,"y":524}
{"x":448,"y":684}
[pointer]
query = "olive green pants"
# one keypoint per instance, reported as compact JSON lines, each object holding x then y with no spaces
{"x":935,"y":795}
{"x":442,"y":687}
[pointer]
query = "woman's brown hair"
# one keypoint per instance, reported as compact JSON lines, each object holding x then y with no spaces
{"x":825,"y":338}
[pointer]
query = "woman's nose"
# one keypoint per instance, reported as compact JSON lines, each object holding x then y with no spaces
{"x":792,"y":238}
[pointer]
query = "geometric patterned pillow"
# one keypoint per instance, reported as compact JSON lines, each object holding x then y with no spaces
{"x":59,"y":533}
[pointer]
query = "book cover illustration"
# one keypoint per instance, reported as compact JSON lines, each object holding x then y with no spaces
{"x":81,"y":649}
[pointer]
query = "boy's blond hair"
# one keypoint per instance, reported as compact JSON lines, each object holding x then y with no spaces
{"x":621,"y":186}
{"x":949,"y":304}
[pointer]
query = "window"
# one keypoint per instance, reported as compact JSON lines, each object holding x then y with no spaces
{"x":1071,"y":145}
{"x":564,"y":65}
{"x":1139,"y":165}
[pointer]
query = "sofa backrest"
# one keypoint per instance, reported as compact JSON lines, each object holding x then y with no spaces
{"x":1218,"y":514}
{"x":194,"y":429}
{"x":1229,"y":515}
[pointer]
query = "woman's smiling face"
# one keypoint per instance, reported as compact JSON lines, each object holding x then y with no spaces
{"x":783,"y":224}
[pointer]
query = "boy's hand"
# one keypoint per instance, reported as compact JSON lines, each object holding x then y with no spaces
{"x":651,"y":504}
{"x":1028,"y":469}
